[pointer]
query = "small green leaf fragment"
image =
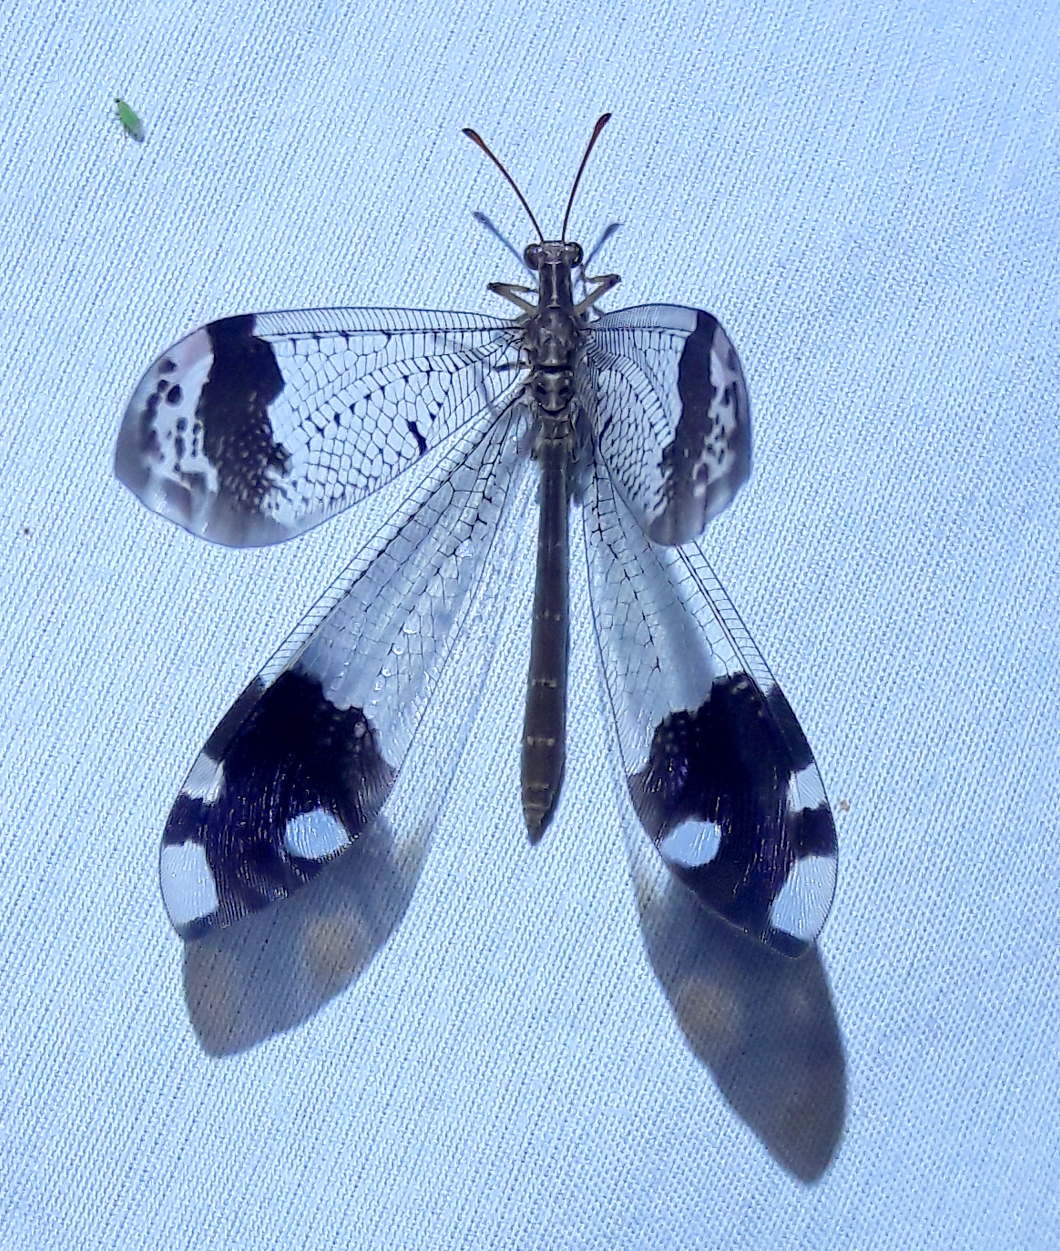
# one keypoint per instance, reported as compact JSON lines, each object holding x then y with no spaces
{"x":130,"y":121}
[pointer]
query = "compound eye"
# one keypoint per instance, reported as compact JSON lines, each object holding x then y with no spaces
{"x":574,"y":250}
{"x":532,"y":256}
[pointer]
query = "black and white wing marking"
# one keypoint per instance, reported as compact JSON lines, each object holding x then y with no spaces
{"x":313,"y":749}
{"x":717,"y":767}
{"x":672,"y":419}
{"x":254,"y":429}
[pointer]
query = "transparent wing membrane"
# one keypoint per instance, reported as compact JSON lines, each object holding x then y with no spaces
{"x":254,"y":429}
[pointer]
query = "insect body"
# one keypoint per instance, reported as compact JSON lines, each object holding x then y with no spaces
{"x":553,"y":336}
{"x":256,"y":428}
{"x":130,"y":121}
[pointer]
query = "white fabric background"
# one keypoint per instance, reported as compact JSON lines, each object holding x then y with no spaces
{"x":866,"y":195}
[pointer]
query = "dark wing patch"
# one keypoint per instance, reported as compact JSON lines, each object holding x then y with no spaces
{"x":286,"y":782}
{"x":671,"y":415}
{"x":233,"y":410}
{"x":731,"y":764}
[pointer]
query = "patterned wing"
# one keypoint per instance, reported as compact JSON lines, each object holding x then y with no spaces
{"x":718,"y":769}
{"x":254,"y":429}
{"x":313,"y":749}
{"x":671,"y":415}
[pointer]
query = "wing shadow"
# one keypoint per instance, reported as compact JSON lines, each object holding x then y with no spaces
{"x":275,"y":969}
{"x":764,"y":1024}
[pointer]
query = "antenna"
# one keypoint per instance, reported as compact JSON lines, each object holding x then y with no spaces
{"x":476,"y":138}
{"x":600,"y":124}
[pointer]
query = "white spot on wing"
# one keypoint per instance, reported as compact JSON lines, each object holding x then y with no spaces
{"x":806,"y":790}
{"x":205,"y":781}
{"x":188,"y":887}
{"x":802,"y":905}
{"x":691,"y":844}
{"x":314,"y":835}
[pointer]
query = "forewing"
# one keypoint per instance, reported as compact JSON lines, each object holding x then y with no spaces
{"x":254,"y":429}
{"x":718,"y":769}
{"x":671,"y":415}
{"x":312,"y":750}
